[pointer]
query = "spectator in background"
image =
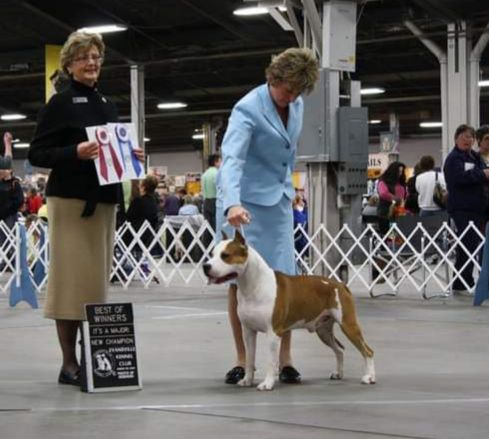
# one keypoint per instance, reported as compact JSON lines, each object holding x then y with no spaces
{"x":189,"y":207}
{"x":33,"y":201}
{"x":392,"y":192}
{"x":412,"y":204}
{"x":466,"y":177}
{"x":6,"y":160}
{"x":209,"y":189}
{"x":11,"y":200}
{"x":482,"y":136}
{"x":425,"y":186}
{"x":173,"y":202}
{"x":144,"y":208}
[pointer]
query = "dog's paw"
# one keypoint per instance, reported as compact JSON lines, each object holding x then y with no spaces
{"x":336,"y":376}
{"x":246,"y":382}
{"x":266,"y":385}
{"x":368,"y":379}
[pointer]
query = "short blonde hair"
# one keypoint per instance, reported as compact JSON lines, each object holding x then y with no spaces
{"x":296,"y":67}
{"x":76,"y":42}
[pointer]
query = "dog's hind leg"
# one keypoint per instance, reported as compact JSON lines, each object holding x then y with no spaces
{"x":249,"y":337}
{"x":352,"y":330}
{"x":326,"y":334}
{"x":272,"y":366}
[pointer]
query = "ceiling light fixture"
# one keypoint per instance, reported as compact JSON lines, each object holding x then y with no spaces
{"x":431,"y":124}
{"x":103,"y":29}
{"x":372,"y":91}
{"x":21,"y":145}
{"x":198,"y":137}
{"x":374,"y":121}
{"x":171,"y":105}
{"x":14,"y":116}
{"x":484,"y":83}
{"x":250,"y":10}
{"x":146,"y":139}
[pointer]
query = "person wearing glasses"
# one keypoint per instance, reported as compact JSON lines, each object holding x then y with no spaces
{"x":466,"y":178}
{"x":81,"y":212}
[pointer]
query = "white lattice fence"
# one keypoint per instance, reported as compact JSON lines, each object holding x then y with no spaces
{"x":419,"y":257}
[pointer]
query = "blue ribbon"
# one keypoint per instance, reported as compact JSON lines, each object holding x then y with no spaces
{"x":127,"y":144}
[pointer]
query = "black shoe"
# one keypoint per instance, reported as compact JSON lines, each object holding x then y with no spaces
{"x":69,"y":378}
{"x":289,"y":375}
{"x":234,"y":375}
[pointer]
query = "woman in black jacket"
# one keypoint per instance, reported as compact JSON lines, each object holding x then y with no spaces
{"x":81,"y":212}
{"x":466,"y":177}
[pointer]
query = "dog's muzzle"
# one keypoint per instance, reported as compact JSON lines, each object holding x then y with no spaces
{"x":217,"y":280}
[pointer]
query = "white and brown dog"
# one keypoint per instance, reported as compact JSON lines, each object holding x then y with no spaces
{"x":273,"y":303}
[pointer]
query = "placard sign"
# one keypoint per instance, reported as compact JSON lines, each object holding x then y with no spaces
{"x":109,"y":360}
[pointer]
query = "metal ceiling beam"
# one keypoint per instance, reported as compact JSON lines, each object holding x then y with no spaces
{"x":62,"y":25}
{"x":220,"y":21}
{"x":157,"y":42}
{"x":438,"y":9}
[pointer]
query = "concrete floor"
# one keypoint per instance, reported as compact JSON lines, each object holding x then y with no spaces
{"x":432,"y":361}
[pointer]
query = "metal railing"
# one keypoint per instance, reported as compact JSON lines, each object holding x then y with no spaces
{"x":419,"y":257}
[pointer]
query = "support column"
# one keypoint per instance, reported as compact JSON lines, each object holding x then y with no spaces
{"x":459,"y":78}
{"x":137,"y":113}
{"x":458,"y":81}
{"x":137,"y":101}
{"x":474,"y":75}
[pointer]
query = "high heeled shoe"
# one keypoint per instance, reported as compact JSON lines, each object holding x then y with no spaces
{"x":71,"y":378}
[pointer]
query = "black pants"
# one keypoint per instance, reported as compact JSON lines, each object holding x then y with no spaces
{"x":210,"y":212}
{"x":470,"y":241}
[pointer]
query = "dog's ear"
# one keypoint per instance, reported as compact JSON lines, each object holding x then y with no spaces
{"x":224,"y":236}
{"x":238,"y":237}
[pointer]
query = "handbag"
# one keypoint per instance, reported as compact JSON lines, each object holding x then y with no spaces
{"x":440,"y":194}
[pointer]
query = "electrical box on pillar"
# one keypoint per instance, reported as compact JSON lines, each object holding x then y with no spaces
{"x":339,"y":35}
{"x":353,"y":150}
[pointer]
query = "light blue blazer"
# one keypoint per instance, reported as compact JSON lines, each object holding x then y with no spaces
{"x":258,"y":151}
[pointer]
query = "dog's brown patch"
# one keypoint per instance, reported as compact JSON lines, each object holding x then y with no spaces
{"x":234,"y":253}
{"x":305,"y":299}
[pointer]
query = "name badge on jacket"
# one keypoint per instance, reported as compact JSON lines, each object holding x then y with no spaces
{"x":468,"y":166}
{"x":80,"y":100}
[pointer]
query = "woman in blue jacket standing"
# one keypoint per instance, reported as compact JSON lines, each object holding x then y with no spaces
{"x":256,"y":188}
{"x":466,"y":177}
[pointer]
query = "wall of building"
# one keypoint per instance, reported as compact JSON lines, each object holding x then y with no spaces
{"x":411,"y":150}
{"x":178,"y":163}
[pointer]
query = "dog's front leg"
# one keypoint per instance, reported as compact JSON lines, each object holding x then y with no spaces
{"x":250,"y":345}
{"x":272,"y":367}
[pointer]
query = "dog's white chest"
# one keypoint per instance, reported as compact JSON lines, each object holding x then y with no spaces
{"x":255,"y":316}
{"x":256,"y":301}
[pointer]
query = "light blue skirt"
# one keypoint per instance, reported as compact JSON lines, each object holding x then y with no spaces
{"x":270,"y":232}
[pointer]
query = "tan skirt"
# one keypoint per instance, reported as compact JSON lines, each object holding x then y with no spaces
{"x":80,"y":252}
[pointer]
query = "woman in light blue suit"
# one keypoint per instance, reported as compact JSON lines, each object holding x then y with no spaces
{"x":255,"y":179}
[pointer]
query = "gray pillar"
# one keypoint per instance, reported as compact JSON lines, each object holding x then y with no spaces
{"x":458,"y":80}
{"x":137,"y":101}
